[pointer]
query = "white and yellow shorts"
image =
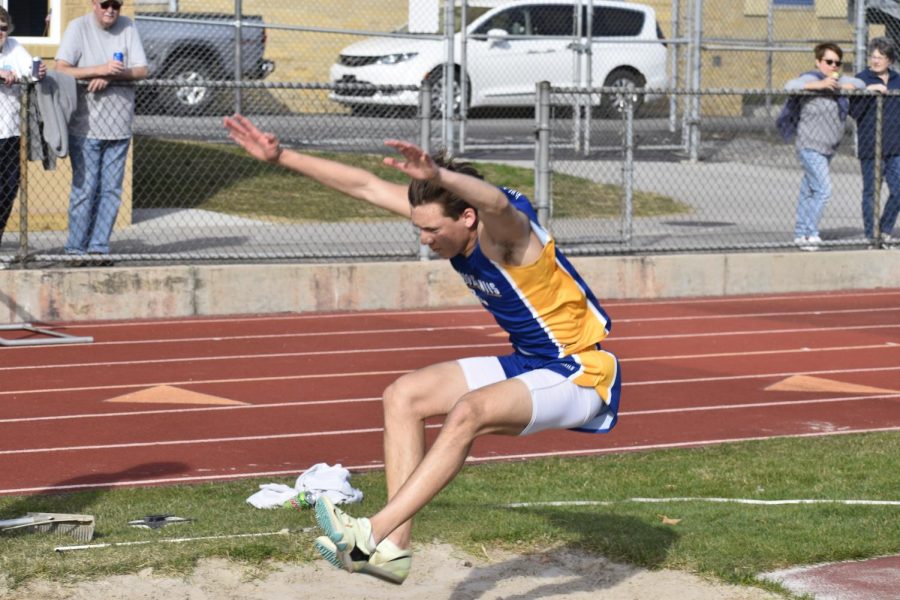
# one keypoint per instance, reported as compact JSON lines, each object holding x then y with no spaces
{"x":579,"y":392}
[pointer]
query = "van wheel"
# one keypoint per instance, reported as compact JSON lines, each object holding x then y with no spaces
{"x":191,"y":99}
{"x":436,"y":80}
{"x":613,"y":105}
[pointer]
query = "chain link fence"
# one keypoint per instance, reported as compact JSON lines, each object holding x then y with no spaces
{"x":741,"y":194}
{"x":315,"y":74}
{"x":629,"y":187}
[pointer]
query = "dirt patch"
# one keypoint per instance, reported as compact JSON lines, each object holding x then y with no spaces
{"x":439,"y":572}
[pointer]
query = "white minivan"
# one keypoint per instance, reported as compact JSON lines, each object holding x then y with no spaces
{"x":509,"y":49}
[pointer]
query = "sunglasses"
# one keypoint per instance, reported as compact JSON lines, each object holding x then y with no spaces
{"x":113,"y":3}
{"x":832,"y":63}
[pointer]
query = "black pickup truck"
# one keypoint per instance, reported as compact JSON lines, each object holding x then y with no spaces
{"x":193,"y":47}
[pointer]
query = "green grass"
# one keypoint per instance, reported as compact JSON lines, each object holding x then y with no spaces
{"x":224,"y":179}
{"x":731,"y":542}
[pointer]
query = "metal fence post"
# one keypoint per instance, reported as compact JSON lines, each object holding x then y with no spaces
{"x":859,"y":58}
{"x":628,"y":170}
{"x":696,"y":66}
{"x":676,"y":51}
{"x":542,"y":154}
{"x":23,"y":173}
{"x":238,"y":57}
{"x":425,"y":116}
{"x":876,"y":206}
{"x":463,"y":83}
{"x":449,"y":76}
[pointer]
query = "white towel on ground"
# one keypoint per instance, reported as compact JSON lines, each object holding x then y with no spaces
{"x":321,"y":478}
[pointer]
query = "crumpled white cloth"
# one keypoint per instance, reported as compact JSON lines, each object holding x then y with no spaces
{"x":321,"y":478}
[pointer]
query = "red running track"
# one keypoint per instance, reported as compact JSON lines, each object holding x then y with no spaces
{"x":307,"y":387}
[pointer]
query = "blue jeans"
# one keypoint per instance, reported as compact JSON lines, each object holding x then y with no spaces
{"x":98,"y":167}
{"x":9,"y":178}
{"x":890,"y":171}
{"x":815,"y":192}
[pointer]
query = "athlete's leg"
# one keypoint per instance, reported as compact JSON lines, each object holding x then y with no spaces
{"x":504,"y":407}
{"x":410,"y":400}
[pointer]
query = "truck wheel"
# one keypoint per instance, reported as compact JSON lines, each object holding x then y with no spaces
{"x":192,"y":99}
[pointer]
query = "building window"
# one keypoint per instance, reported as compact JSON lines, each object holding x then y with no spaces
{"x":793,"y":2}
{"x":36,"y":21}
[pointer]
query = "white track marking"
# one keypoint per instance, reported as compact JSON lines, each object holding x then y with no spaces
{"x":307,"y":434}
{"x":751,"y":501}
{"x":478,"y":309}
{"x":469,"y":460}
{"x":247,"y":357}
{"x":480,"y":327}
{"x":309,"y":403}
{"x":399,"y":372}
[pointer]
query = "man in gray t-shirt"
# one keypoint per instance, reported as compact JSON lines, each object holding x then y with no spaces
{"x":100,"y":48}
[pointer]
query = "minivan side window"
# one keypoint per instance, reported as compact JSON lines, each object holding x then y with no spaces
{"x":552,"y":19}
{"x":512,"y":21}
{"x":616,"y":22}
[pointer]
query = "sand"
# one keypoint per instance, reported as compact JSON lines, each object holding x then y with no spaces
{"x":439,"y":572}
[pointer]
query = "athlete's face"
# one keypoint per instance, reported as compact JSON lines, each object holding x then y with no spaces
{"x":446,"y":236}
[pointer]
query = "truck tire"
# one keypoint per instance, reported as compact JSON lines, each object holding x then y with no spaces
{"x":192,"y":99}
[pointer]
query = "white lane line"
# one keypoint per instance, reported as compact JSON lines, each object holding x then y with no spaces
{"x":311,"y":403}
{"x":469,"y":460}
{"x":485,"y":326}
{"x":308,"y":434}
{"x":245,"y":357}
{"x":248,"y":357}
{"x":760,"y":376}
{"x":493,"y":328}
{"x":805,"y":313}
{"x":137,"y":386}
{"x":839,"y":328}
{"x":691,"y":444}
{"x":477,"y":309}
{"x":399,"y":372}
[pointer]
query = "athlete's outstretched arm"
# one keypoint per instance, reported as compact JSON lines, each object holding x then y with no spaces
{"x":355,"y":182}
{"x":503,"y":223}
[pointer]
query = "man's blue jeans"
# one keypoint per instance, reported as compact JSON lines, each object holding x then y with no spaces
{"x":815,"y":192}
{"x":98,"y":167}
{"x":890,"y":172}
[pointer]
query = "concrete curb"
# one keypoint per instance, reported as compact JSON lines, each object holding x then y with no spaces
{"x":208,"y":290}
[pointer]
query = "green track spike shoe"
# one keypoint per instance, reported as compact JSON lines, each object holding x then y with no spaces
{"x":348,"y":535}
{"x":388,"y":563}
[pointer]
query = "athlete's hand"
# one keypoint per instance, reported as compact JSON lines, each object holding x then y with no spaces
{"x":258,"y":144}
{"x":418,"y":163}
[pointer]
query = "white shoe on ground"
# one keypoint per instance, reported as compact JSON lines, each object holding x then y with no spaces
{"x":809,"y":243}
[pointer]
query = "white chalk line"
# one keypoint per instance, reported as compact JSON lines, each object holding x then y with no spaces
{"x":469,"y":460}
{"x":749,"y":501}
